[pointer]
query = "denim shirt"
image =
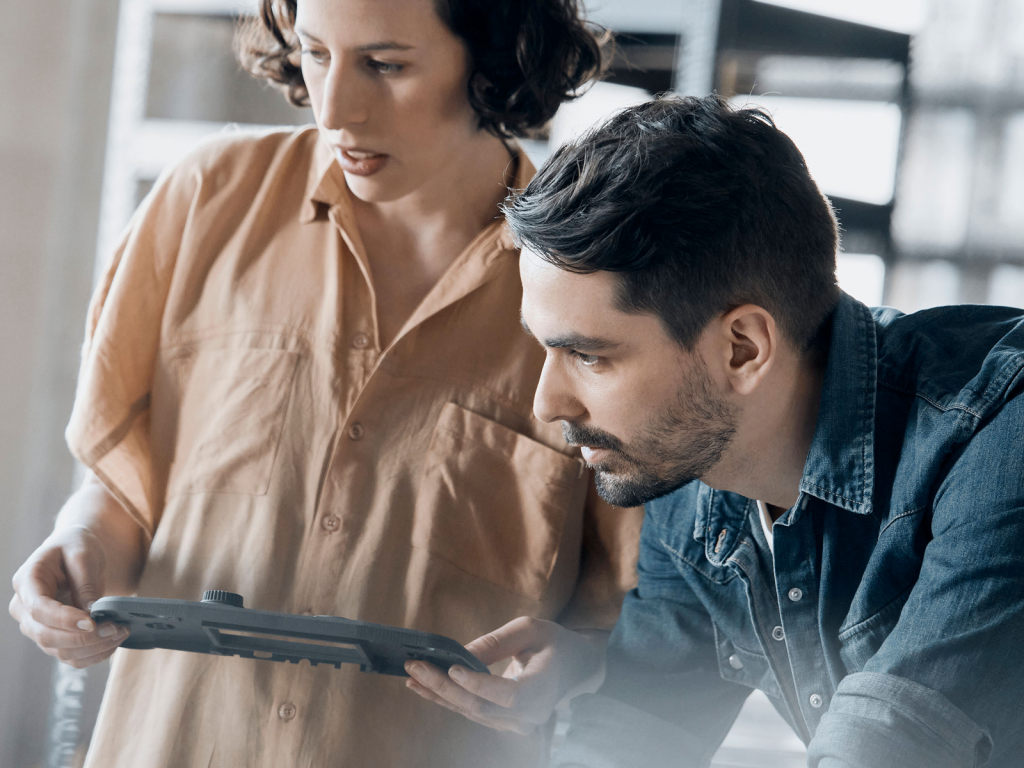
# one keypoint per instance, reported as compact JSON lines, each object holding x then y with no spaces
{"x":888,"y":628}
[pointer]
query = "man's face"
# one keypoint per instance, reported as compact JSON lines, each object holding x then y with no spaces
{"x":648,"y":414}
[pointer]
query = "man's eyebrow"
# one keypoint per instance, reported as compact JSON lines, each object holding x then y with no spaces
{"x":580,"y":342}
{"x":387,"y":45}
{"x":572,"y":340}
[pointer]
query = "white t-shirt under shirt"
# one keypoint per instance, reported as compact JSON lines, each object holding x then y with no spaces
{"x":766,"y":524}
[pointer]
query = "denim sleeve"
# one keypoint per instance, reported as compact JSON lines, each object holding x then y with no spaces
{"x":664,"y":701}
{"x":946,"y":688}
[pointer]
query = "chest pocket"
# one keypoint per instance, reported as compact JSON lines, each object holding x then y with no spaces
{"x":749,"y":668}
{"x":493,"y":502}
{"x":859,"y":642}
{"x":232,"y":410}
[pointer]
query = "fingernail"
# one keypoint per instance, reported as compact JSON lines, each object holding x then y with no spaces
{"x":107,"y":630}
{"x":85,"y":625}
{"x":415,"y":669}
{"x":89,"y":605}
{"x":457,"y":674}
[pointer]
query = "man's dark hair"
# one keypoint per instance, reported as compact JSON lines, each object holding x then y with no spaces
{"x":700,"y":206}
{"x":528,"y":56}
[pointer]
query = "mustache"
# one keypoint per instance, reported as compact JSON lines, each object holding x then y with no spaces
{"x":576,"y":434}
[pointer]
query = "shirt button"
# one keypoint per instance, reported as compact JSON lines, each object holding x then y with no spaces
{"x":360,"y":341}
{"x":331,"y":523}
{"x":778,"y":633}
{"x":356,"y":432}
{"x":286,"y":711}
{"x":735,"y":662}
{"x":816,"y":701}
{"x":796,"y":594}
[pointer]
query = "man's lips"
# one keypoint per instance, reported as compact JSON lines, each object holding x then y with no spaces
{"x":360,"y":162}
{"x":591,"y":454}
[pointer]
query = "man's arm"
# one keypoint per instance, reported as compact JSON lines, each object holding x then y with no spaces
{"x":944,"y":689}
{"x":664,"y":701}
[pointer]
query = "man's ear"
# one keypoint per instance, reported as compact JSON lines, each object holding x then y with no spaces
{"x":746,"y":344}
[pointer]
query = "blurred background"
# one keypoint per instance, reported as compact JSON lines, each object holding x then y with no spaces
{"x":910,"y":114}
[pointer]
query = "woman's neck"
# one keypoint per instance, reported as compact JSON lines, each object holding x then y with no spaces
{"x":412,"y":241}
{"x":454,"y":206}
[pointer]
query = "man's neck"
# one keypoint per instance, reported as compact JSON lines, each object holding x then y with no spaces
{"x":766,"y":460}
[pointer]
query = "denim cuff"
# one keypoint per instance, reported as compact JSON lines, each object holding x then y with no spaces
{"x":877,"y":721}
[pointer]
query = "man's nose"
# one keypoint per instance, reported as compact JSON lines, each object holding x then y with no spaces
{"x":345,"y":97}
{"x":555,"y":399}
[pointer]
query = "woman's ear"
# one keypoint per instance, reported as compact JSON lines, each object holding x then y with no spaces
{"x":747,"y":342}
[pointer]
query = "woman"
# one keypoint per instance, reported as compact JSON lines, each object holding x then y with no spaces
{"x":303,"y":381}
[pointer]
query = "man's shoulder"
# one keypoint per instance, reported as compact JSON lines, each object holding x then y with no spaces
{"x":964,"y":357}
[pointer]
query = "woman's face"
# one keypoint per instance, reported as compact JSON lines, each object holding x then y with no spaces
{"x":387,"y":82}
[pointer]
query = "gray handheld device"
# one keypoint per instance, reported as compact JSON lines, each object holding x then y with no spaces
{"x":221,"y":626}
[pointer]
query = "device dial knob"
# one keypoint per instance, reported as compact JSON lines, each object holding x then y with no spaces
{"x":220,"y":596}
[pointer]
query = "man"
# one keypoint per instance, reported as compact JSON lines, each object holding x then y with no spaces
{"x":835,"y":495}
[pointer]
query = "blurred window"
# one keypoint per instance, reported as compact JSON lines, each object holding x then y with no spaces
{"x":851,"y":147}
{"x":862,"y":275}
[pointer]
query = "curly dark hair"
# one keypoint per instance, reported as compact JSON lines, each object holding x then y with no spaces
{"x":528,"y":56}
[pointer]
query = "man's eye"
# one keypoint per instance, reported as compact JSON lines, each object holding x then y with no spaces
{"x":587,"y":360}
{"x":384,"y":67}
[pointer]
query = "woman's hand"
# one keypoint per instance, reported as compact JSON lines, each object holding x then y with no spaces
{"x":548,"y":661}
{"x":69,"y":564}
{"x":95,"y":548}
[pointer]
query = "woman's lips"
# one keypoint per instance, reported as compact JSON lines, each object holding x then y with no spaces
{"x":360,"y":163}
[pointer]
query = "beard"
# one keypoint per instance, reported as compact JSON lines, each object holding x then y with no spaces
{"x":677,"y":445}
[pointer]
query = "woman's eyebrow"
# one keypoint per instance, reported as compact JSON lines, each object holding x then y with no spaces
{"x":387,"y":45}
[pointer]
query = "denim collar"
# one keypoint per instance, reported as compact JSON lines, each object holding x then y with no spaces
{"x":840,"y":466}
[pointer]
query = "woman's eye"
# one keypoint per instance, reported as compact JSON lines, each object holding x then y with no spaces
{"x":384,"y":67}
{"x":317,"y":56}
{"x":587,"y":360}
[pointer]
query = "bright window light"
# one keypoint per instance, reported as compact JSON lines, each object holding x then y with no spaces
{"x":862,"y":275}
{"x":1006,"y":286}
{"x":850,"y":146}
{"x":903,"y":16}
{"x":600,"y":101}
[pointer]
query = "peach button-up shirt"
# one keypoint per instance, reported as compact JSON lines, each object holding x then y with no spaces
{"x":235,"y":398}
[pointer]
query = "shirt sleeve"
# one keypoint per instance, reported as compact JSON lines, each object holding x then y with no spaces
{"x":664,"y":701}
{"x":608,"y":560}
{"x":109,"y":427}
{"x":944,"y":688}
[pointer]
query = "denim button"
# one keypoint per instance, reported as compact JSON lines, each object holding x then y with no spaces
{"x":795,"y":594}
{"x":735,"y":662}
{"x":778,"y":633}
{"x":816,"y":701}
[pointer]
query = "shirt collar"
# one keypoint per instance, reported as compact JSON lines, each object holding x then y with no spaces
{"x":840,"y":466}
{"x":326,"y":183}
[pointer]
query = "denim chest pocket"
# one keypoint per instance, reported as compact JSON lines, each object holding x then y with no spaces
{"x":860,"y":641}
{"x":493,"y":502}
{"x":746,"y":667}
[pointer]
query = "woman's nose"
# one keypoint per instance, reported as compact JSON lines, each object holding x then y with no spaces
{"x":345,"y":99}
